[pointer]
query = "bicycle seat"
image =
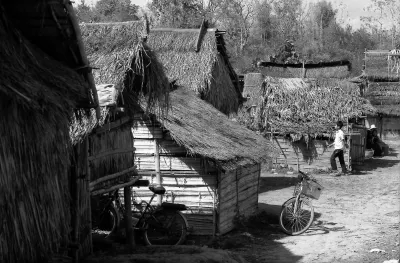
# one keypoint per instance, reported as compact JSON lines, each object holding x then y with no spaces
{"x":158,"y":189}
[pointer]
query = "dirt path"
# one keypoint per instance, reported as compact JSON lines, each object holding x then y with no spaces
{"x":355,"y":214}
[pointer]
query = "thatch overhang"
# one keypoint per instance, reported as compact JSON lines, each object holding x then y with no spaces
{"x":207,"y":71}
{"x":120,"y":55}
{"x":298,"y":106}
{"x":205,"y":131}
{"x":385,"y":97}
{"x":38,"y":95}
{"x":51,"y":26}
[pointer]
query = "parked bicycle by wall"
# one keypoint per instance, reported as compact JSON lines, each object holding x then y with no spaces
{"x":297,"y":212}
{"x":158,"y":224}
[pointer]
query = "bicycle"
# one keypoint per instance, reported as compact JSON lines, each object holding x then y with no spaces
{"x":162,"y":224}
{"x":297,"y":212}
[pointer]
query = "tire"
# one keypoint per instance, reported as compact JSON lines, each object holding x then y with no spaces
{"x":166,"y":227}
{"x":305,"y":216}
{"x":108,"y":221}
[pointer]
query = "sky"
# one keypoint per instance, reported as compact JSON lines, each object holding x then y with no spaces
{"x":352,"y":9}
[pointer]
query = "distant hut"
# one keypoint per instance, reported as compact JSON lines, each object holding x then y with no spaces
{"x":304,"y":112}
{"x":381,"y":85}
{"x":40,"y":88}
{"x":197,"y":60}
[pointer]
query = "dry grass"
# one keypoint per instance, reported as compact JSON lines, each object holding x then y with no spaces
{"x":205,"y":131}
{"x":299,"y":107}
{"x":123,"y":59}
{"x":38,"y":96}
{"x":204,"y":72}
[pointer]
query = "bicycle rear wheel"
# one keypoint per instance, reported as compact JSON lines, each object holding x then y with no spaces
{"x":108,"y":221}
{"x":296,"y":222}
{"x":166,"y":227}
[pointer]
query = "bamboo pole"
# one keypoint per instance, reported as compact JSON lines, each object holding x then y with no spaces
{"x":111,"y":176}
{"x":157,"y":163}
{"x":87,"y":154}
{"x":75,"y":204}
{"x":82,"y":52}
{"x":128,"y":219}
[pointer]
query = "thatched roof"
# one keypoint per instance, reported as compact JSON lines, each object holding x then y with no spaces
{"x":385,"y":97}
{"x":207,"y":72}
{"x":302,"y":106}
{"x":205,"y":131}
{"x":49,"y":26}
{"x":121,"y":57}
{"x":38,"y":95}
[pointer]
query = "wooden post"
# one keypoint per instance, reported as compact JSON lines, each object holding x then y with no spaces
{"x":304,"y":71}
{"x":87,"y":153}
{"x":128,"y":219}
{"x":75,"y":204}
{"x":158,"y":174}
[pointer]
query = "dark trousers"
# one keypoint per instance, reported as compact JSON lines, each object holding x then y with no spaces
{"x":338,"y":153}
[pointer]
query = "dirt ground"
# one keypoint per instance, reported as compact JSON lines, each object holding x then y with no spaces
{"x":355,"y":214}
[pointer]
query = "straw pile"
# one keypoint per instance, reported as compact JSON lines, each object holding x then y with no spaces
{"x":298,"y":107}
{"x":205,"y":131}
{"x":385,"y":97}
{"x":37,"y":97}
{"x":123,"y":59}
{"x":204,"y":72}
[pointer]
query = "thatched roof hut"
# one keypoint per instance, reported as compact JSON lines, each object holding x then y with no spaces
{"x":385,"y":97}
{"x":299,"y":106}
{"x":206,"y":161}
{"x":39,"y":91}
{"x":207,"y":71}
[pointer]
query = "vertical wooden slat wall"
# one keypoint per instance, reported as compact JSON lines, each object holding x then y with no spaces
{"x":188,"y":180}
{"x":238,"y":195}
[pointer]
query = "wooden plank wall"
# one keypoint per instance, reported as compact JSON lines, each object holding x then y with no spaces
{"x":188,"y":180}
{"x":238,"y":195}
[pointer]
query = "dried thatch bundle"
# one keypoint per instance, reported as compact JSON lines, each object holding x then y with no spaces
{"x":205,"y":131}
{"x":123,"y":59}
{"x":205,"y":72}
{"x":37,"y":97}
{"x":385,"y":97}
{"x":299,"y":107}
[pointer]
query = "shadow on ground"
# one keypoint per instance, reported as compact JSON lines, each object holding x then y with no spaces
{"x":277,"y":182}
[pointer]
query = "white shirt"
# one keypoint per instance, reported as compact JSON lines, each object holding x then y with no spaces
{"x":339,"y":140}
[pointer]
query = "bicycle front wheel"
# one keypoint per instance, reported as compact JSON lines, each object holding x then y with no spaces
{"x":296,"y":222}
{"x":166,"y":227}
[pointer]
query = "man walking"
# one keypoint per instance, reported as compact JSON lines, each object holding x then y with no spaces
{"x":339,"y":149}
